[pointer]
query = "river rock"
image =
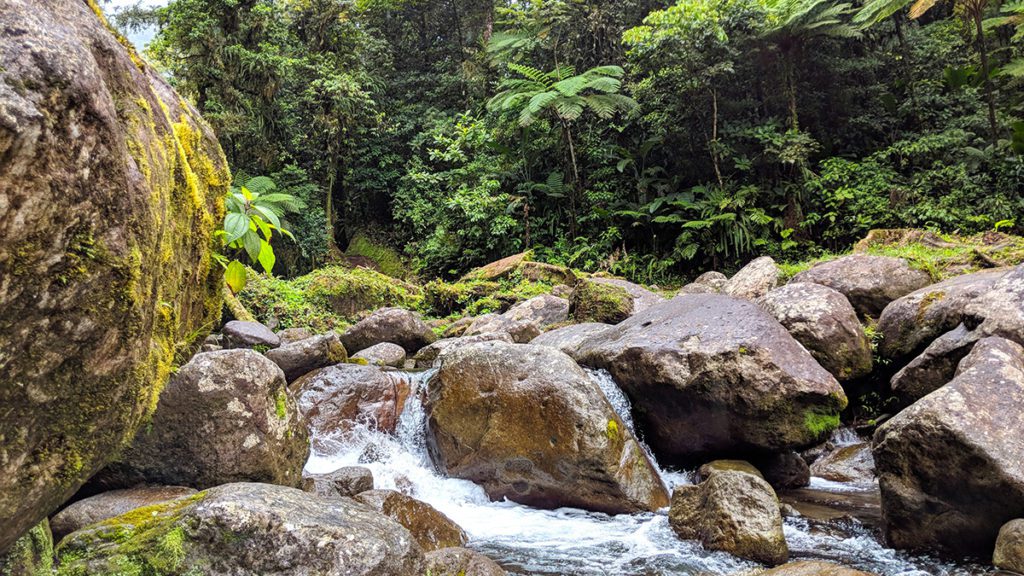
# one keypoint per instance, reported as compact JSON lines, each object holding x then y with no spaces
{"x":239,"y":334}
{"x":711,"y":375}
{"x":431,"y":529}
{"x":852,"y":464}
{"x":521,"y":331}
{"x":498,"y":268}
{"x":335,"y":399}
{"x":1009,"y":553}
{"x":300,"y":358}
{"x":870,"y":283}
{"x":754,"y":280}
{"x":951,"y":466}
{"x":826,"y":324}
{"x":549,"y":273}
{"x":383,"y":354}
{"x":111,"y":189}
{"x":544,"y":310}
{"x":814,"y":568}
{"x":30,"y":555}
{"x":109,"y":504}
{"x":393,"y":325}
{"x":344,"y":482}
{"x":1000,"y":311}
{"x":609,"y":300}
{"x":526,"y":423}
{"x":569,"y":338}
{"x":241,"y":529}
{"x":706,"y":470}
{"x":224,"y":417}
{"x":911,"y":322}
{"x":934,"y":367}
{"x":461,"y":562}
{"x":293,"y":335}
{"x":427,"y":357}
{"x":707,"y":283}
{"x":733,"y":511}
{"x":785,"y":470}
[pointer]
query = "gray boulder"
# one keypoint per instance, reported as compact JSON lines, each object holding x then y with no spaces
{"x":336,"y":399}
{"x":383,"y":354}
{"x":826,"y":324}
{"x":852,"y":464}
{"x":427,"y":357}
{"x":951,"y":467}
{"x":609,"y":300}
{"x":461,"y":562}
{"x":870,"y":283}
{"x":224,"y":417}
{"x":526,"y":423}
{"x":1009,"y":553}
{"x":521,"y":331}
{"x":733,"y":511}
{"x":911,"y":322}
{"x":934,"y":367}
{"x":707,"y":283}
{"x":109,"y":504}
{"x":344,"y":482}
{"x":1000,"y":311}
{"x":544,"y":310}
{"x":711,"y":374}
{"x":244,"y":529}
{"x":111,"y":189}
{"x":393,"y":325}
{"x":569,"y":338}
{"x":754,"y":280}
{"x":292,"y":335}
{"x":240,"y":334}
{"x":302,"y":357}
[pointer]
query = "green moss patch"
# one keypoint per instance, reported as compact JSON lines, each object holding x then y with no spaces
{"x":820,"y":424}
{"x":388,"y":260}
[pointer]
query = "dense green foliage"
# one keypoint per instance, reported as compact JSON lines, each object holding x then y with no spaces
{"x":649,"y":138}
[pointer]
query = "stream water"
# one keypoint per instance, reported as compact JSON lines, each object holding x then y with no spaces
{"x":528,"y":541}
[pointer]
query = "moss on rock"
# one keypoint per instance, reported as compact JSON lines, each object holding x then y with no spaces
{"x":31,"y":555}
{"x":597,"y":302}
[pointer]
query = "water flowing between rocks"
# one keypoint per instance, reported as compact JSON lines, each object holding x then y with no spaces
{"x":525,"y":540}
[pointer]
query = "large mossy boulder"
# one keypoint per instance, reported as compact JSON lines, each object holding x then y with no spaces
{"x":712,"y":375}
{"x":826,"y":324}
{"x":224,"y":417}
{"x":526,"y":423}
{"x":238,"y":529}
{"x":951,"y":467}
{"x":733,"y":510}
{"x":609,"y":300}
{"x":870,"y":283}
{"x":111,"y":187}
{"x":109,"y":504}
{"x":461,"y":562}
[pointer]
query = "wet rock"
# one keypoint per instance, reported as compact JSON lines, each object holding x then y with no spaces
{"x":383,"y":354}
{"x":239,"y":334}
{"x":431,"y":529}
{"x":107,"y":220}
{"x":784,"y":471}
{"x":526,"y":423}
{"x":711,"y":374}
{"x":393,"y":325}
{"x":427,"y":357}
{"x":706,"y":470}
{"x":1009,"y":553}
{"x":910,"y":323}
{"x":521,"y":331}
{"x":814,"y":568}
{"x":951,"y":466}
{"x":224,"y":417}
{"x":344,"y":482}
{"x":335,"y":399}
{"x":754,"y":280}
{"x":292,"y":335}
{"x":851,"y":464}
{"x":826,"y":324}
{"x":935,"y":366}
{"x":300,"y":358}
{"x":732,"y":511}
{"x":870,"y":283}
{"x":461,"y":562}
{"x":609,"y":300}
{"x":239,"y":529}
{"x":543,"y":310}
{"x":109,"y":504}
{"x":30,"y":555}
{"x":1000,"y":311}
{"x":569,"y":338}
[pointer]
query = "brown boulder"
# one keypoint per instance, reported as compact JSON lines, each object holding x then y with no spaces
{"x":461,"y":562}
{"x":1009,"y":553}
{"x":431,"y":529}
{"x":393,"y":325}
{"x":300,"y":358}
{"x":814,"y":568}
{"x":335,"y":399}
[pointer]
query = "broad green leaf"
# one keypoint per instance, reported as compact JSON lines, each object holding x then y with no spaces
{"x":235,"y":276}
{"x":251,"y":241}
{"x":267,"y":257}
{"x":236,"y":225}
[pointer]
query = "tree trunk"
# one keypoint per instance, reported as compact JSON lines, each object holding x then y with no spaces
{"x":574,"y":190}
{"x":794,"y":121}
{"x":713,"y":144}
{"x":989,"y":96}
{"x":908,"y":73}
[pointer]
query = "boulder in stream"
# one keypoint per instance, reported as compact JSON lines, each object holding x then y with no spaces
{"x":383,"y":354}
{"x":754,"y":280}
{"x":461,"y":562}
{"x":609,"y":300}
{"x":1009,"y":553}
{"x":335,"y":399}
{"x":870,"y":283}
{"x":431,"y":529}
{"x":393,"y":325}
{"x":526,"y":423}
{"x":543,"y":310}
{"x":300,"y":358}
{"x":813,"y":568}
{"x":568,"y":338}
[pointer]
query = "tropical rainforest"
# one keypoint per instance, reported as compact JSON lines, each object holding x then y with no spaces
{"x":646,"y":138}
